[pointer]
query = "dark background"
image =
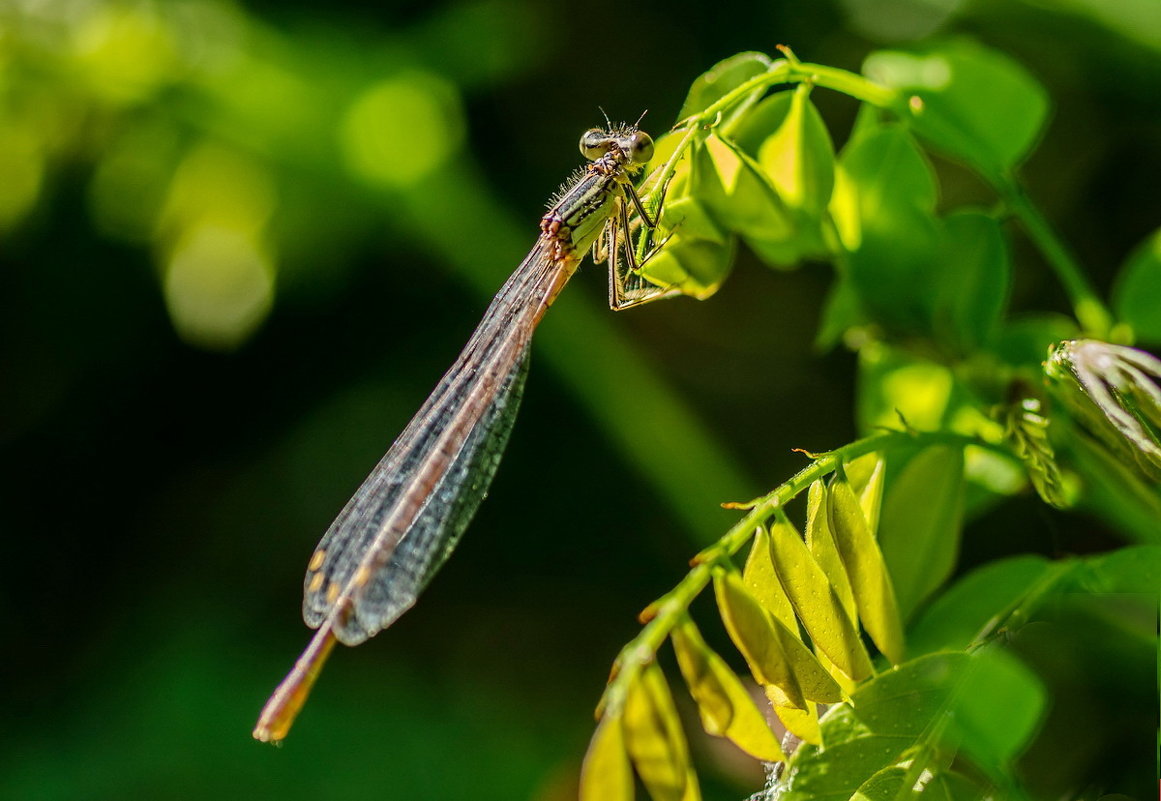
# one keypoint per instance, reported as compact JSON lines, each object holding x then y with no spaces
{"x":163,"y":490}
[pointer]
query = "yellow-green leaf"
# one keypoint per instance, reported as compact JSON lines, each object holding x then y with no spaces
{"x":760,"y":579}
{"x":817,"y":604}
{"x":773,"y":651}
{"x":606,"y":774}
{"x":724,"y":704}
{"x":654,"y":738}
{"x":799,"y":156}
{"x":737,"y":193}
{"x":802,"y":723}
{"x":752,"y":629}
{"x":874,"y":594}
{"x":866,"y":476}
{"x":820,"y":541}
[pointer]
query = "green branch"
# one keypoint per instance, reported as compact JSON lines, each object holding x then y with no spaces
{"x":1090,"y":311}
{"x":663,"y":614}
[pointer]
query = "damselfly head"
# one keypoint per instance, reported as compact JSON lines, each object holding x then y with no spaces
{"x":636,"y":146}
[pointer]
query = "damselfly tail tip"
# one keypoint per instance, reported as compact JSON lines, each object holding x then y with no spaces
{"x":288,"y":698}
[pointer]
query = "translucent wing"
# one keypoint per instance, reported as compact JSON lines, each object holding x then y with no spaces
{"x":404,"y":520}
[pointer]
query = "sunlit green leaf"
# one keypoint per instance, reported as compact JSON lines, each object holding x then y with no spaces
{"x":654,"y":738}
{"x":723,"y":78}
{"x":802,"y":723}
{"x":695,"y":266}
{"x":726,"y":708}
{"x":820,"y":541}
{"x":817,"y":604}
{"x":606,"y":774}
{"x":883,"y":207}
{"x":773,"y":651}
{"x":942,"y":699}
{"x":737,"y":193}
{"x":1137,"y":293}
{"x":750,"y":130}
{"x":799,"y":156}
{"x":867,"y":474}
{"x":895,"y":384}
{"x":972,"y":102}
{"x":870,"y":581}
{"x":922,"y":515}
{"x":762,"y":581}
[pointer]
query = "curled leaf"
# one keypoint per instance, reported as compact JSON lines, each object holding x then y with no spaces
{"x":654,"y":738}
{"x":1026,"y":428}
{"x":817,"y":604}
{"x":874,"y":593}
{"x":802,"y":723}
{"x":606,"y":774}
{"x":725,"y":706}
{"x":762,"y":581}
{"x":774,"y":652}
{"x":820,"y":541}
{"x":1116,"y":393}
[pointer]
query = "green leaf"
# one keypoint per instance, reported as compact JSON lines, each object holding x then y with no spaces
{"x":895,"y":383}
{"x":726,"y":708}
{"x":723,"y":78}
{"x":606,"y":774}
{"x":752,"y":629}
{"x":1134,"y":570}
{"x":866,"y":475}
{"x":774,"y":652}
{"x":737,"y":193}
{"x":970,"y":101}
{"x":654,"y":738}
{"x":997,"y":707}
{"x":799,"y":157}
{"x":922,"y":516}
{"x":947,"y":699}
{"x":1137,"y":292}
{"x":954,"y":619}
{"x":761,"y":579}
{"x":874,"y":595}
{"x":696,"y":266}
{"x":818,"y":606}
{"x":820,"y":541}
{"x":750,"y":130}
{"x":975,"y":280}
{"x":802,"y":723}
{"x":886,"y":785}
{"x":883,"y":207}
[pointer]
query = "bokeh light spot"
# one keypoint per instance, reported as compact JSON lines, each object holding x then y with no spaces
{"x":22,"y":168}
{"x":219,"y":286}
{"x":401,"y":129}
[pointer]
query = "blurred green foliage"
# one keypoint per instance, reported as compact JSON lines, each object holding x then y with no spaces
{"x":238,"y":244}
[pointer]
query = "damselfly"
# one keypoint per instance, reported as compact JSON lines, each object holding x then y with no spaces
{"x":406,"y":518}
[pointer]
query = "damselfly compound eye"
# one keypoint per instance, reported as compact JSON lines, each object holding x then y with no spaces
{"x":641,"y":148}
{"x":594,"y":143}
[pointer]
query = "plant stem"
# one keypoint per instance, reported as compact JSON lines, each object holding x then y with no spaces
{"x":1092,"y":314}
{"x":664,"y":613}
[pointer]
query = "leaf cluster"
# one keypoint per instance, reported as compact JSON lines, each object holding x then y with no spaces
{"x":974,"y":413}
